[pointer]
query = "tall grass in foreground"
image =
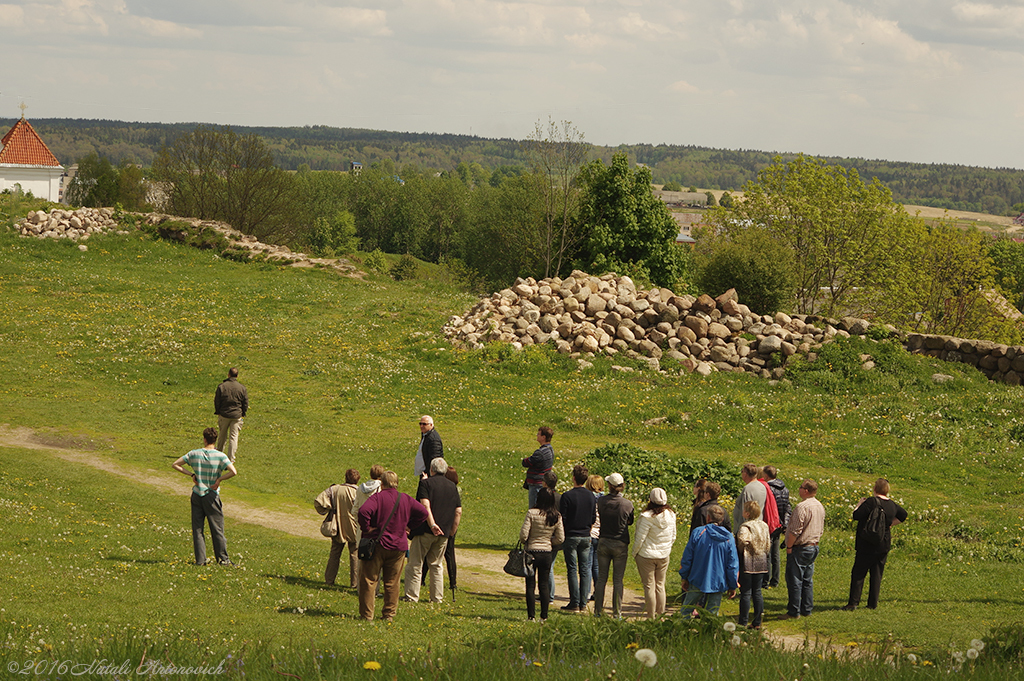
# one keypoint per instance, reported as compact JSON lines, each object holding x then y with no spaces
{"x":575,"y":649}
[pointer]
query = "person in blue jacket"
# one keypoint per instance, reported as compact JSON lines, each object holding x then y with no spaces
{"x":710,"y":565}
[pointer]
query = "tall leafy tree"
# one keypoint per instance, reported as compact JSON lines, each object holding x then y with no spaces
{"x":627,"y":229}
{"x":556,"y":153}
{"x":844,"y":235}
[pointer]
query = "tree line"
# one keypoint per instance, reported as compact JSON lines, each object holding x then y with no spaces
{"x":807,"y":236}
{"x":999,"y":191}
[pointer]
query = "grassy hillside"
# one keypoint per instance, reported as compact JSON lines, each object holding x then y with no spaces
{"x":117,"y":351}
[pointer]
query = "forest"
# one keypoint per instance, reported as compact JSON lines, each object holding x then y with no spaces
{"x":999,"y":191}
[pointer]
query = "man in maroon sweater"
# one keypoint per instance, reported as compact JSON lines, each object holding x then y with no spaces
{"x":392,"y":543}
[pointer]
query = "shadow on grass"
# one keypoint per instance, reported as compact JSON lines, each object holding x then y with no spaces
{"x":316,"y":612}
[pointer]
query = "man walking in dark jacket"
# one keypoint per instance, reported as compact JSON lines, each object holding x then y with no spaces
{"x":230,"y":403}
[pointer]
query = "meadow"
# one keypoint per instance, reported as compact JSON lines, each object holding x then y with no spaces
{"x":116,"y":351}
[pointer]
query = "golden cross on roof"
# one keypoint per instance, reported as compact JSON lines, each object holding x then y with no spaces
{"x":23,"y":106}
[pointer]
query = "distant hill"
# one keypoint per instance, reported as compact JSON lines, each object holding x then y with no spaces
{"x":988,"y":190}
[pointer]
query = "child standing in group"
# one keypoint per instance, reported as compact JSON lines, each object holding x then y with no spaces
{"x":754,"y":542}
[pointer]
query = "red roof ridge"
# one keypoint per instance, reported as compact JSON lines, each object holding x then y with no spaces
{"x":23,"y":146}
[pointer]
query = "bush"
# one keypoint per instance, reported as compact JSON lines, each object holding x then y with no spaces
{"x":644,"y":470}
{"x":376,"y":261}
{"x":406,"y":268}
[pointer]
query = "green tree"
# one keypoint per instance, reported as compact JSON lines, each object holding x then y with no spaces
{"x":625,"y":225}
{"x":334,"y":236}
{"x":845,"y":236}
{"x":711,"y":198}
{"x":727,"y":200}
{"x":95,"y":184}
{"x":750,"y":260}
{"x":1008,"y":257}
{"x":213,"y":173}
{"x":131,"y":186}
{"x":500,"y":240}
{"x":672,"y":186}
{"x":954,"y":294}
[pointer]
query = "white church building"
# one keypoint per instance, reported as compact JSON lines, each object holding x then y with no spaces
{"x":26,"y":162}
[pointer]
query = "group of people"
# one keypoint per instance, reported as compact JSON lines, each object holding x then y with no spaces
{"x":589,"y":524}
{"x":720,"y":559}
{"x":421,"y":529}
{"x":723,"y":555}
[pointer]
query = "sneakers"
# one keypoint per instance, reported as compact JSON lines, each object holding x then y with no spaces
{"x":570,"y":608}
{"x":848,"y":607}
{"x":226,"y":563}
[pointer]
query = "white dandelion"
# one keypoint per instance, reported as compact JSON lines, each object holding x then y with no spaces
{"x":647,"y":656}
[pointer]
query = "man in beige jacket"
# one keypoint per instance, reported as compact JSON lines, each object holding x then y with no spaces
{"x":340,"y":499}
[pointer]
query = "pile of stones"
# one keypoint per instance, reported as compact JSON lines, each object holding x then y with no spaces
{"x":585,"y":316}
{"x":77,"y":225}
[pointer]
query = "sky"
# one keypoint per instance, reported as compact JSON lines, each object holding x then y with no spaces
{"x":935,"y":81}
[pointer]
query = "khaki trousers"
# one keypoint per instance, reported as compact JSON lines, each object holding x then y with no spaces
{"x":228,"y":433}
{"x":431,"y":548}
{"x":653,"y":572}
{"x":391,"y":562}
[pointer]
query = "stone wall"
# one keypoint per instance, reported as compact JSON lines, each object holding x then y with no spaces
{"x":585,"y":316}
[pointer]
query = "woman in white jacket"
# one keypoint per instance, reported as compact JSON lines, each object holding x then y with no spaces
{"x":655,"y":535}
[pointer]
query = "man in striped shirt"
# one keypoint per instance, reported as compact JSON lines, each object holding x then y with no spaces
{"x":209,"y":468}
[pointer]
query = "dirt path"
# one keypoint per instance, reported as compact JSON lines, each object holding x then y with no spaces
{"x":479,"y":571}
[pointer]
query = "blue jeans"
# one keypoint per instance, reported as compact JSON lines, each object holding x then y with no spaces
{"x":577,"y":567}
{"x":610,"y":553}
{"x":532,"y":490}
{"x":693,"y":597}
{"x":800,"y":579}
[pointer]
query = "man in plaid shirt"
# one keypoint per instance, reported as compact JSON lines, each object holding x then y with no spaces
{"x":209,"y":468}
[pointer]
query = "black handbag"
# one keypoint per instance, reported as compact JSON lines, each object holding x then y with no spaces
{"x":520,"y":562}
{"x":367,"y":547}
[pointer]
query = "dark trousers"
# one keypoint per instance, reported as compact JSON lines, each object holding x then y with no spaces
{"x":774,"y":574}
{"x":208,"y":509}
{"x":449,"y":561}
{"x":542,"y":572}
{"x":867,"y":563}
{"x":750,"y":592}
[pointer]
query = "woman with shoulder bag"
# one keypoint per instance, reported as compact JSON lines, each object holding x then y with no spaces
{"x":542,"y":533}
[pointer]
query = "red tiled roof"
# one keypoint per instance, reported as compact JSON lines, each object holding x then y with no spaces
{"x":23,"y":146}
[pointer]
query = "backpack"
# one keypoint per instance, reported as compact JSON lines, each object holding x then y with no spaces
{"x":875,"y":526}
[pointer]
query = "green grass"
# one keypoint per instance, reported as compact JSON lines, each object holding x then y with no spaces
{"x":117,"y":351}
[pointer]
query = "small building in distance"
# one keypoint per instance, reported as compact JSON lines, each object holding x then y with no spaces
{"x":26,"y":163}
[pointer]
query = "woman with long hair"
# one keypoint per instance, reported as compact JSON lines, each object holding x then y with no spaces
{"x":655,"y":535}
{"x":542,"y":533}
